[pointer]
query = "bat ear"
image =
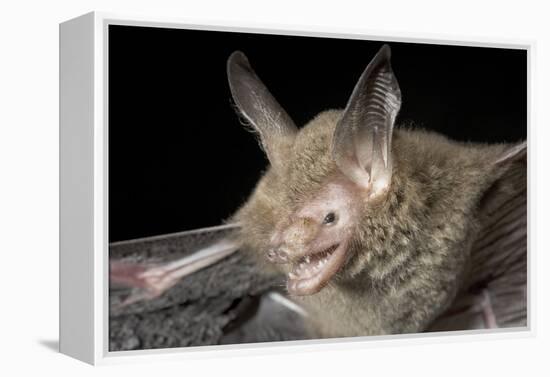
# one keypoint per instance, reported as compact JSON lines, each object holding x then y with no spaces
{"x":361,"y":144}
{"x":254,"y":101}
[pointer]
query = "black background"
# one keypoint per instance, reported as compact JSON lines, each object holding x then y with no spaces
{"x":179,"y":158}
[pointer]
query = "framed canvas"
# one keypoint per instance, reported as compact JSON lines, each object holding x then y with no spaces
{"x":380,"y":197}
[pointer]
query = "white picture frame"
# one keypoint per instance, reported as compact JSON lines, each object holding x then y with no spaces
{"x":84,"y":193}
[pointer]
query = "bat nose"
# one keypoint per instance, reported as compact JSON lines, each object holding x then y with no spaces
{"x":277,"y":255}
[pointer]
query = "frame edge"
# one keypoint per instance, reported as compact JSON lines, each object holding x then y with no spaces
{"x":76,"y":183}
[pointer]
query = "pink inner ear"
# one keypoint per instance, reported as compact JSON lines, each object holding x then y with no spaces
{"x":375,"y":185}
{"x":381,"y":182}
{"x":361,"y":145}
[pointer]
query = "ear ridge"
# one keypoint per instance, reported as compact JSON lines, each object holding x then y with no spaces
{"x":362,"y":139}
{"x":258,"y":106}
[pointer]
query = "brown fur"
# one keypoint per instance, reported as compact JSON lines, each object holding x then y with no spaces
{"x":411,"y":249}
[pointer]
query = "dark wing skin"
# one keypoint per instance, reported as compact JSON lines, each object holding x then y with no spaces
{"x":495,"y":292}
{"x":225,"y":300}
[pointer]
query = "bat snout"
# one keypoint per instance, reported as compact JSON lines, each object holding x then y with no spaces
{"x":291,"y":240}
{"x":278,"y":255}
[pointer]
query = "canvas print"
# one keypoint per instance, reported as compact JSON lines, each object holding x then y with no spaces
{"x":268,"y":187}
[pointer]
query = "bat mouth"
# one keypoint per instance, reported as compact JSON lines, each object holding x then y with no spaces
{"x":312,"y":272}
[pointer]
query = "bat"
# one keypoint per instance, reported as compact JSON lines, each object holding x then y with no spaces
{"x":377,"y":230}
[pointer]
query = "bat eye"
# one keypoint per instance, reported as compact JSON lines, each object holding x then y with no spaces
{"x":329,"y":218}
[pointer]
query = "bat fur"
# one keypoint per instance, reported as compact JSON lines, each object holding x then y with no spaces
{"x":382,"y":231}
{"x":411,"y":250}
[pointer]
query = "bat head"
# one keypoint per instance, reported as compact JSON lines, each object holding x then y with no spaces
{"x":323,"y":177}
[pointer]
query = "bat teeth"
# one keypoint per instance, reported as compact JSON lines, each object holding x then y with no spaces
{"x":308,"y":266}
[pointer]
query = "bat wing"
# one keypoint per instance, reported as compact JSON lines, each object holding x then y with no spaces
{"x":151,"y":270}
{"x":495,"y":294}
{"x":211,"y":294}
